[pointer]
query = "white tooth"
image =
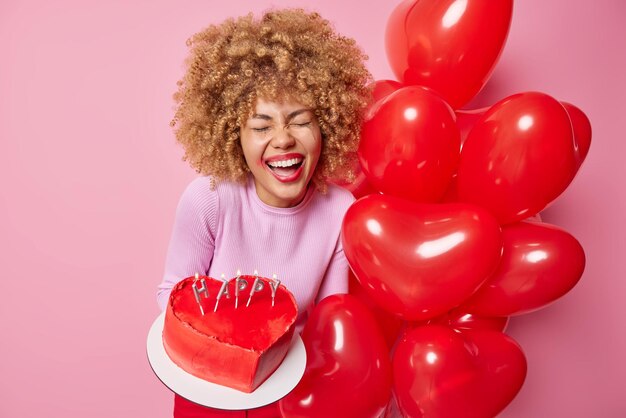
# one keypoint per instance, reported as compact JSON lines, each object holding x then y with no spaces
{"x":285,"y":163}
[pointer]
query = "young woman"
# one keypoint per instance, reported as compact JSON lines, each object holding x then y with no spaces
{"x":269,"y":111}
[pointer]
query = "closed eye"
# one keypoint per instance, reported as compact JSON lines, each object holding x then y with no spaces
{"x":264,"y":129}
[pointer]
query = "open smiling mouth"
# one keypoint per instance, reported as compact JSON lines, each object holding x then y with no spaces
{"x":286,"y":169}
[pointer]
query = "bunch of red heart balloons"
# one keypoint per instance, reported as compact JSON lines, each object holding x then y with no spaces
{"x":440,"y":244}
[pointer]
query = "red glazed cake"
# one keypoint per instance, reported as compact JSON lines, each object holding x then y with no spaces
{"x":235,"y":347}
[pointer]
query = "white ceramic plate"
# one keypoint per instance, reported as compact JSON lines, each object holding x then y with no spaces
{"x":279,"y":384}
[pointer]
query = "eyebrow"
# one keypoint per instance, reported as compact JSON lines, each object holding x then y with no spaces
{"x":289,"y":116}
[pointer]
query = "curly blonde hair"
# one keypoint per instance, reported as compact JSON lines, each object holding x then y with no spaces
{"x":285,"y":55}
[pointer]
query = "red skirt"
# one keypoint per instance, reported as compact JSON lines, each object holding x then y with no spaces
{"x":187,"y":409}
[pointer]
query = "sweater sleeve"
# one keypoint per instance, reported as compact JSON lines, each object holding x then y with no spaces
{"x":336,"y":277}
{"x":192,"y":242}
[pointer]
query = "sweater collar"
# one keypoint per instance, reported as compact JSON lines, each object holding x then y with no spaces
{"x":252,"y":194}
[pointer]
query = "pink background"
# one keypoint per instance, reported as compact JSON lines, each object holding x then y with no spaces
{"x":90,"y":177}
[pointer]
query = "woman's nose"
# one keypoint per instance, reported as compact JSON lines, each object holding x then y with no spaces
{"x":283,"y":139}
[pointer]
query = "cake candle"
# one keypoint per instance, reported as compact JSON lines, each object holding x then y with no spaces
{"x":240,"y":284}
{"x":274,"y":285}
{"x":197,"y":291}
{"x":223,"y":291}
{"x":257,"y":286}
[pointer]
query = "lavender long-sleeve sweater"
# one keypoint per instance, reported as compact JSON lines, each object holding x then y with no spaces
{"x":229,"y":228}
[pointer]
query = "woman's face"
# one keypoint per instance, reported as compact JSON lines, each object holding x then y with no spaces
{"x":281,"y":143}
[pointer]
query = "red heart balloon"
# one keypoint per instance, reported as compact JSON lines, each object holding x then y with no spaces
{"x":466,"y":119}
{"x":448,"y":45}
{"x":419,"y":260}
{"x":410,"y":145}
{"x":442,"y":373}
{"x":540,"y":263}
{"x":518,"y":157}
{"x":348,"y":372}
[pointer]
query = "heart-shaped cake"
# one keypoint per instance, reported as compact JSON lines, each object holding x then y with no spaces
{"x":239,"y":343}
